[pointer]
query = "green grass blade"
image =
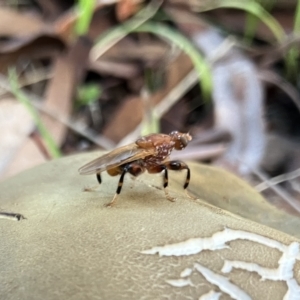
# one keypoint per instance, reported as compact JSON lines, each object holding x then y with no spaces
{"x":18,"y":93}
{"x":150,"y":124}
{"x":183,"y":43}
{"x":252,"y":21}
{"x":250,"y":7}
{"x":292,"y":65}
{"x":85,"y":10}
{"x":250,"y":28}
{"x":297,"y":19}
{"x":174,"y":37}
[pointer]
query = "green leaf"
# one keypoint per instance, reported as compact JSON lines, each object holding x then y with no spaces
{"x":88,"y":93}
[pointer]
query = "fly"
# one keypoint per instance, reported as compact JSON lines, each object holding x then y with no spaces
{"x":149,"y":153}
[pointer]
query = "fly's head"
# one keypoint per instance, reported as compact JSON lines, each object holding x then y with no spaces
{"x":181,"y":140}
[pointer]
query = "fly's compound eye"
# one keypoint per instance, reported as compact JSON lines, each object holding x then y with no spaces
{"x":184,"y":141}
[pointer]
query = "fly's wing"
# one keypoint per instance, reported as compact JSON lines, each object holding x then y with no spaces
{"x":116,"y":158}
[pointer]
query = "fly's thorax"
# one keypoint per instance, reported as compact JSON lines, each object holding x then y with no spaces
{"x":175,"y":140}
{"x":163,"y":145}
{"x":163,"y":151}
{"x":154,"y":140}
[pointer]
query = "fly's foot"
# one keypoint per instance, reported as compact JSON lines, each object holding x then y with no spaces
{"x":112,"y":202}
{"x":189,"y":195}
{"x":170,"y":198}
{"x":89,"y":189}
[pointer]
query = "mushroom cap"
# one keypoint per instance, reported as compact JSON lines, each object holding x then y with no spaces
{"x":72,"y":247}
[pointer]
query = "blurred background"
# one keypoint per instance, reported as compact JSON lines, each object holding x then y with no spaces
{"x":88,"y":75}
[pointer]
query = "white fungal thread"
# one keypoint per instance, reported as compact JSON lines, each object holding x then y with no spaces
{"x":223,"y":283}
{"x":180,"y":282}
{"x":186,"y":272}
{"x":284,"y":271}
{"x":211,"y":295}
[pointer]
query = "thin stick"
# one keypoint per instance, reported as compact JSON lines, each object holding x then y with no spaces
{"x":282,"y":193}
{"x":278,"y":179}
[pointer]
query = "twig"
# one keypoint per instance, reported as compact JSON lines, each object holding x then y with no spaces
{"x":176,"y":93}
{"x":285,"y":86}
{"x":202,"y":152}
{"x":11,"y":216}
{"x":277,"y":189}
{"x":278,"y":179}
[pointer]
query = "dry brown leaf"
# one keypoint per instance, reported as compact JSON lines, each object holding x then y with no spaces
{"x":125,"y":59}
{"x":67,"y":74}
{"x":125,"y":121}
{"x":64,"y":25}
{"x":52,"y":9}
{"x":38,"y":46}
{"x":28,"y":155}
{"x":126,"y":8}
{"x":27,"y":44}
{"x":19,"y":24}
{"x":16,"y":124}
{"x":70,"y":68}
{"x":32,"y":38}
{"x":175,"y":117}
{"x":234,"y":20}
{"x":115,"y":68}
{"x":148,"y":52}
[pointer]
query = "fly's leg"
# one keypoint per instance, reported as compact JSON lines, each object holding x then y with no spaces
{"x":177,"y":165}
{"x":99,"y":178}
{"x":90,"y":189}
{"x":166,"y":182}
{"x":134,"y":169}
{"x":119,"y":188}
{"x":158,"y":169}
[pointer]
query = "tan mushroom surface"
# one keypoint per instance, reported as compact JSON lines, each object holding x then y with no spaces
{"x":72,"y":247}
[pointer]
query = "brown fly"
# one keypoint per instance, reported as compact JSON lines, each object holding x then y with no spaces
{"x":149,"y":153}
